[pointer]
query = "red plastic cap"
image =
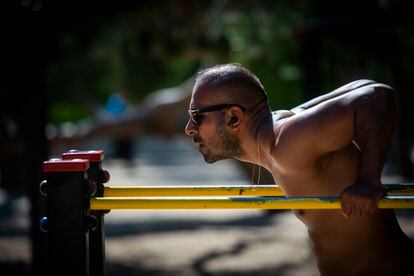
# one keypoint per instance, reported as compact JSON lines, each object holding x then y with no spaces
{"x":91,"y":155}
{"x":58,"y":165}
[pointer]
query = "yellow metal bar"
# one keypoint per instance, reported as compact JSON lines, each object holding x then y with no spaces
{"x":241,"y":190}
{"x":104,"y":203}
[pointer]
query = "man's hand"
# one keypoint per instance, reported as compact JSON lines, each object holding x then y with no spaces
{"x":361,"y":199}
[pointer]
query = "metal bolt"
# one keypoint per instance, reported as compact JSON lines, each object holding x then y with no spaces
{"x":91,"y":187}
{"x":43,"y":224}
{"x":43,"y":188}
{"x":104,"y":176}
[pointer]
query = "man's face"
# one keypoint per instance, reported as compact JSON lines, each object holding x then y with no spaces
{"x":210,"y":131}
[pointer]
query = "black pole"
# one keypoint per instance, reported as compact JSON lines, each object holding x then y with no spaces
{"x":67,"y":204}
{"x":98,"y":176}
{"x":23,"y":97}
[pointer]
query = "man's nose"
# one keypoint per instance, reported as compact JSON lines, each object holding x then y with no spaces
{"x":190,"y":128}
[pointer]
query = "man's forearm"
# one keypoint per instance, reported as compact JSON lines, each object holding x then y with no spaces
{"x":374,"y":126}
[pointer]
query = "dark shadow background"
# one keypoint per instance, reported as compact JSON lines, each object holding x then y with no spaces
{"x":61,"y":61}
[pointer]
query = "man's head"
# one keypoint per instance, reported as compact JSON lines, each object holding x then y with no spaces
{"x":225,"y":98}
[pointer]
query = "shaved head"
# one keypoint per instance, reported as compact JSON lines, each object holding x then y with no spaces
{"x":241,"y":104}
{"x":231,"y":83}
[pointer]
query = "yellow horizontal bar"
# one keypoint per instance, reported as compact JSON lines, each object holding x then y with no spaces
{"x":241,"y":190}
{"x":104,"y":203}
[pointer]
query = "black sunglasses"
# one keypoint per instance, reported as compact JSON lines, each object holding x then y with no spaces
{"x":195,"y":114}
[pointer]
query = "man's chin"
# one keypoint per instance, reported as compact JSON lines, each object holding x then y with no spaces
{"x":211,"y":160}
{"x":208,"y":159}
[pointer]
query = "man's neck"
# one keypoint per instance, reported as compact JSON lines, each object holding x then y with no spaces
{"x":257,"y":139}
{"x":263,"y":132}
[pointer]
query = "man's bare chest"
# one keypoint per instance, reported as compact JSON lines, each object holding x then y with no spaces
{"x":326,"y":176}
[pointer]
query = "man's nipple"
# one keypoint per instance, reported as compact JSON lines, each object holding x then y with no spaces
{"x":300,"y":213}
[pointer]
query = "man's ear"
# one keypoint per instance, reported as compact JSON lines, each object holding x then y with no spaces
{"x":233,"y":120}
{"x":234,"y":117}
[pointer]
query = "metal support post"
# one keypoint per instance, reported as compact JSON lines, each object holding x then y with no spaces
{"x":67,"y":205}
{"x":96,"y":178}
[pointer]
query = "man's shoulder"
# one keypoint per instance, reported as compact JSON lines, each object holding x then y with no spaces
{"x":281,"y":114}
{"x":356,"y":84}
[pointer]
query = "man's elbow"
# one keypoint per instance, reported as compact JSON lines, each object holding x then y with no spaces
{"x":384,"y":89}
{"x":384,"y":98}
{"x":385,"y":93}
{"x":378,"y":98}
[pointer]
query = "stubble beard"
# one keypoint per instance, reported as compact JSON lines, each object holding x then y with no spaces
{"x":228,"y":146}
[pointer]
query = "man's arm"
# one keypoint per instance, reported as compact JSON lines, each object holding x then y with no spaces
{"x":374,"y":126}
{"x":366,"y":115}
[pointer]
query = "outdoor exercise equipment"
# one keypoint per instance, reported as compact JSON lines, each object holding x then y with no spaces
{"x":77,"y":201}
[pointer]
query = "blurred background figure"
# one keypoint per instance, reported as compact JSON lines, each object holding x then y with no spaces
{"x":117,"y":106}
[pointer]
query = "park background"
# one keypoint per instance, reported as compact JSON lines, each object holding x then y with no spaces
{"x":67,"y":65}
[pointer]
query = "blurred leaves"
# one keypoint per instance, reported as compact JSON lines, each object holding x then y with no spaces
{"x":148,"y":45}
{"x":157,"y":45}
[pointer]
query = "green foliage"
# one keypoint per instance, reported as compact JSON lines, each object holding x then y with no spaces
{"x":155,"y":45}
{"x":68,"y":111}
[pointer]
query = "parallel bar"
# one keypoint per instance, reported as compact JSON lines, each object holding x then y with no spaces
{"x":241,"y":190}
{"x":389,"y":202}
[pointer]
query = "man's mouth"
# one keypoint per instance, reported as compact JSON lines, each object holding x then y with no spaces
{"x":197,"y":141}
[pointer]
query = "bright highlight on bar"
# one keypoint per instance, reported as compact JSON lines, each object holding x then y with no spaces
{"x":241,"y":190}
{"x":105,"y":203}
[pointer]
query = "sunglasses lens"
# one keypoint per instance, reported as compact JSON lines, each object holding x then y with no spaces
{"x":196,"y":118}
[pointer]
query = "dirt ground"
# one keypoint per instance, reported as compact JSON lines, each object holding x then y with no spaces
{"x":183,"y":242}
{"x":220,"y":242}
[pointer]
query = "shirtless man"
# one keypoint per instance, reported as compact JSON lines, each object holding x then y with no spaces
{"x":334,"y":145}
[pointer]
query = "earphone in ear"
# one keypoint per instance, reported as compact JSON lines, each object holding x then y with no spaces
{"x":232,"y":120}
